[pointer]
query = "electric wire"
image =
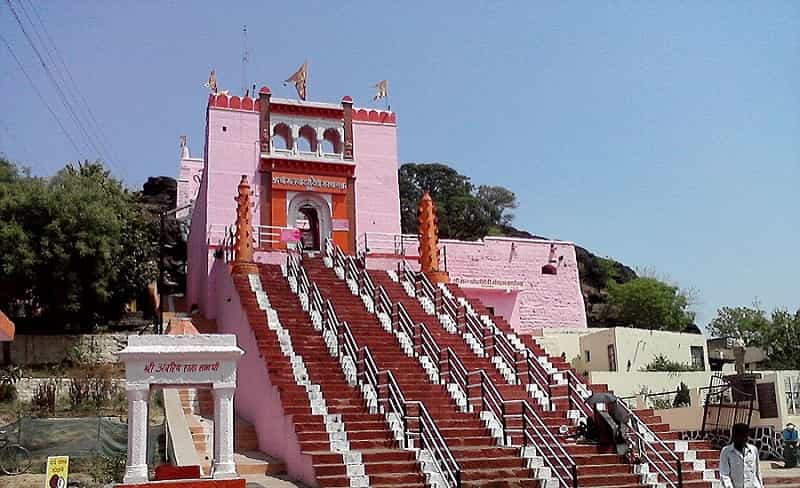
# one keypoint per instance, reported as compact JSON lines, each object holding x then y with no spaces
{"x":58,"y":61}
{"x":53,"y":80}
{"x":41,"y":97}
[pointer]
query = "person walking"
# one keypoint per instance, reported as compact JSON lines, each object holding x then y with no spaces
{"x":738,"y":461}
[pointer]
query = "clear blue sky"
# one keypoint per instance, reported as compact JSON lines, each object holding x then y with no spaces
{"x":663,"y":134}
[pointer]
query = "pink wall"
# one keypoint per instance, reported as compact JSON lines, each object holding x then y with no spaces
{"x":197,"y":253}
{"x":541,"y":300}
{"x":257,"y":400}
{"x":232,"y":152}
{"x":190,"y":171}
{"x":377,"y":191}
{"x":512,"y":281}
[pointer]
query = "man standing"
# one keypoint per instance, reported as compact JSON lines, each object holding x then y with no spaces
{"x":738,"y":462}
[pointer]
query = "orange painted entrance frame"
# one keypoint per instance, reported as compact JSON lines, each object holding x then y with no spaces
{"x":281,"y":175}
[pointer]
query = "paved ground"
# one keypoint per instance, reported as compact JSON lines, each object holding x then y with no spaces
{"x":37,"y":480}
{"x":271,"y":482}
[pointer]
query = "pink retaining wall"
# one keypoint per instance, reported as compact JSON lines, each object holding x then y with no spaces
{"x":506,"y":274}
{"x":257,"y":400}
{"x":377,"y":190}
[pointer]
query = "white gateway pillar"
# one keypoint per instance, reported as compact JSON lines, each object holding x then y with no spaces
{"x":136,"y":467}
{"x":224,"y":466}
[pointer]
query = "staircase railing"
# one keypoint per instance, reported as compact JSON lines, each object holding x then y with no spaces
{"x":455,"y":372}
{"x":425,"y":429}
{"x":426,"y":345}
{"x":402,"y":321}
{"x":654,"y":451}
{"x":481,"y":392}
{"x":649,"y":446}
{"x":488,"y":397}
{"x":420,"y":427}
{"x":535,"y":433}
{"x":534,"y":373}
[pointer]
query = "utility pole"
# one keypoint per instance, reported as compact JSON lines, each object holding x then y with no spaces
{"x":162,"y":217}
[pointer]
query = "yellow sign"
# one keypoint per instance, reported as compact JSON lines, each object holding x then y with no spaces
{"x":57,"y":472}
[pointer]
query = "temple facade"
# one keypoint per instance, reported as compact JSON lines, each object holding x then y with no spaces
{"x":329,"y":170}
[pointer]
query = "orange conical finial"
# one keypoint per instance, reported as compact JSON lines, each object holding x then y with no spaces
{"x":243,"y":247}
{"x":429,"y":239}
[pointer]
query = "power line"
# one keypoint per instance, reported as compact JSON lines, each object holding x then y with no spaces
{"x":52,"y":78}
{"x":58,"y":60}
{"x":39,"y":94}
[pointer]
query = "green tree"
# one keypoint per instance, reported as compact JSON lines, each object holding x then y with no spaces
{"x":647,"y":302}
{"x":501,"y":202}
{"x":23,"y":215}
{"x":76,"y":246}
{"x":463,"y":212}
{"x":781,"y":340}
{"x":749,"y":323}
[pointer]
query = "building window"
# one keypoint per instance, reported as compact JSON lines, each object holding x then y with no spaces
{"x":588,"y":356}
{"x":612,"y":358}
{"x":331,"y":143}
{"x":698,"y":358}
{"x":282,"y":137}
{"x":307,"y":140}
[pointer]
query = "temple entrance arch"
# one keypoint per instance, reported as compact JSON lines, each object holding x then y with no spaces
{"x":155,"y":361}
{"x":311,"y":213}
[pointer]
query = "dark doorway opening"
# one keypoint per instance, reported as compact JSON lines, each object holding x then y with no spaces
{"x":310,"y":229}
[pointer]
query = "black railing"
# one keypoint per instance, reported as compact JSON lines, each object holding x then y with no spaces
{"x":537,"y":435}
{"x":652,"y":450}
{"x":724,"y":406}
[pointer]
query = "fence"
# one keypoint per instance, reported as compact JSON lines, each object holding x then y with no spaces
{"x":79,"y":437}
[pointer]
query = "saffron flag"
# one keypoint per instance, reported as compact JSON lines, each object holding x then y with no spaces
{"x":299,"y":79}
{"x":382,"y":90}
{"x":211,"y":84}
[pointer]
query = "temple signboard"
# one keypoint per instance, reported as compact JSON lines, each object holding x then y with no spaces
{"x":304,"y":182}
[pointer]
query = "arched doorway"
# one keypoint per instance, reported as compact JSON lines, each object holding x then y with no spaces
{"x":309,"y":228}
{"x":311,"y":213}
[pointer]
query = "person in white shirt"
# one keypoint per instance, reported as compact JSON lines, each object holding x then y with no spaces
{"x":738,"y":461}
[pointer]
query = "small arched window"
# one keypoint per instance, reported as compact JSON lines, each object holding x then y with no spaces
{"x":281,"y":137}
{"x":307,"y":140}
{"x":331,"y":142}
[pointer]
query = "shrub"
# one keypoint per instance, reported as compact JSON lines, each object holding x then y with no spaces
{"x":92,"y":389}
{"x":105,"y":469}
{"x":662,"y":364}
{"x":44,"y":396}
{"x":9,"y":376}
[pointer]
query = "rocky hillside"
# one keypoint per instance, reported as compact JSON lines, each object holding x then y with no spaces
{"x":595,"y":271}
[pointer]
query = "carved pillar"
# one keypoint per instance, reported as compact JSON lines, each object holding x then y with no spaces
{"x":347,"y":107}
{"x":224,"y":465}
{"x":136,"y":467}
{"x":264,"y":126}
{"x":429,"y":240}
{"x":243,"y":247}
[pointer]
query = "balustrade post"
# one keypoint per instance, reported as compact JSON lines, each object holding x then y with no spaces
{"x":438,"y":300}
{"x":680,"y":474}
